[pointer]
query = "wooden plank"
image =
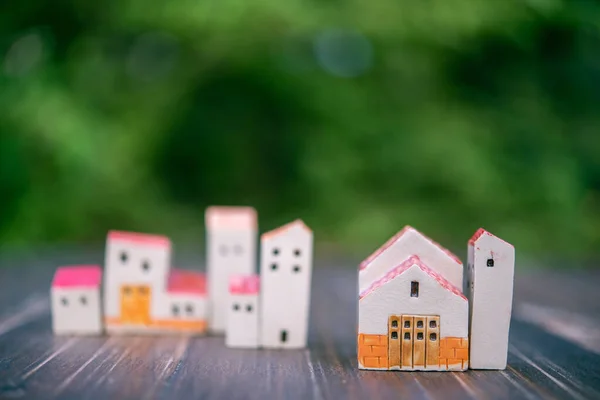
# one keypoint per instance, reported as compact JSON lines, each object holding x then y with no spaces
{"x":394,"y":341}
{"x":407,"y":342}
{"x":419,"y":342}
{"x":432,"y":338}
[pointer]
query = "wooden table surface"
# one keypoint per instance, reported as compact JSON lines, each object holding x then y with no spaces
{"x":554,"y":348}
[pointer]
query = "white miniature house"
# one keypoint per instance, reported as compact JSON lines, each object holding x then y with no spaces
{"x":231,"y":243}
{"x":412,"y":313}
{"x":243,"y":311}
{"x":286,"y":273}
{"x":75,"y":298}
{"x":490,"y":273}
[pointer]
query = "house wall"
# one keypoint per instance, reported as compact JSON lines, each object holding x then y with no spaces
{"x":224,"y":259}
{"x":394,"y":299}
{"x":412,"y":243}
{"x":491,"y":299}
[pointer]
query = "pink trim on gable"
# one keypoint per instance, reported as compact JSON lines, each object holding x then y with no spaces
{"x":395,"y":238}
{"x":403,"y":267}
{"x":88,"y":276}
{"x":139,"y":238}
{"x":284,"y":228}
{"x":480,"y":232}
{"x":228,"y":217}
{"x":244,"y":284}
{"x":186,"y":282}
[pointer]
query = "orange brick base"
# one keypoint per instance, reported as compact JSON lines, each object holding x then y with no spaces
{"x":172,"y":325}
{"x":454,"y":353}
{"x":373,"y":351}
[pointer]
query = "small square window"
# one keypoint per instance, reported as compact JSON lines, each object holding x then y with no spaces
{"x":432,"y":324}
{"x":407,"y":324}
{"x":432,"y":337}
{"x":420,"y":336}
{"x":394,"y":324}
{"x":419,"y":324}
{"x":394,"y":335}
{"x":406,"y":336}
{"x":490,"y":262}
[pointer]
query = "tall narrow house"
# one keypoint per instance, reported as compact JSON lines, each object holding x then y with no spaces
{"x":490,"y":274}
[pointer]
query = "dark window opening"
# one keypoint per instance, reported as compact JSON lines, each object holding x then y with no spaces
{"x":146,"y":266}
{"x":406,"y":336}
{"x":83,"y":300}
{"x":236,"y":307}
{"x":490,"y":262}
{"x":237,"y":249}
{"x":407,"y":324}
{"x":432,"y":337}
{"x":127,"y":290}
{"x":394,"y":324}
{"x":223,"y":250}
{"x":175,"y":309}
{"x":143,"y":290}
{"x":64,"y":301}
{"x":297,"y":269}
{"x":249,"y":308}
{"x":273,"y":266}
{"x":394,"y":335}
{"x":297,"y":252}
{"x":414,"y":289}
{"x":432,"y":324}
{"x":123,"y":257}
{"x":283,"y":336}
{"x":419,"y":324}
{"x":189,"y":309}
{"x":420,"y":336}
{"x":275,"y":251}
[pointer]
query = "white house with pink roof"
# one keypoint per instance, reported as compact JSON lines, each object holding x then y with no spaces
{"x":286,"y":272}
{"x":76,"y":300}
{"x":243,"y":311}
{"x":231,"y":245}
{"x":490,"y":279}
{"x":413,"y":314}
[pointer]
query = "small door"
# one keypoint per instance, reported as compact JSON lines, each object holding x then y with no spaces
{"x":419,"y":341}
{"x":394,"y":341}
{"x":433,"y":342}
{"x":135,"y":304}
{"x":407,"y":341}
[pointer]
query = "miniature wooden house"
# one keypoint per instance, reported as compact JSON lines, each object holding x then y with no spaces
{"x":411,"y":316}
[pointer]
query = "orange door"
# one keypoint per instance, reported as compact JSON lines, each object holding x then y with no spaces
{"x":394,"y":341}
{"x":407,"y":342}
{"x":135,"y":304}
{"x":432,"y":338}
{"x":419,"y":342}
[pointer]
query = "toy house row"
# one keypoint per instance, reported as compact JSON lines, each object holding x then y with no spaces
{"x":143,"y":294}
{"x":414,"y":314}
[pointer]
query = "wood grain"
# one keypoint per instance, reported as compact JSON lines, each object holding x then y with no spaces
{"x":554,"y":349}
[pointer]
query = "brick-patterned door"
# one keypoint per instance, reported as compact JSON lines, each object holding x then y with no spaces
{"x":394,"y":341}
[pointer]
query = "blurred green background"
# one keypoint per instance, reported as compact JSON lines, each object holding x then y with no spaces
{"x":359,"y":117}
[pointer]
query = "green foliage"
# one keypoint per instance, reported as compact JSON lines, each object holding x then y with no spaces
{"x":358,"y":117}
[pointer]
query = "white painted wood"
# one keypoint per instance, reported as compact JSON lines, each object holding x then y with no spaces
{"x":242,"y":321}
{"x":76,"y":311}
{"x":394,"y":298}
{"x":231,"y":244}
{"x":135,"y":259}
{"x":409,"y":242}
{"x":491,"y":295}
{"x":286,"y":273}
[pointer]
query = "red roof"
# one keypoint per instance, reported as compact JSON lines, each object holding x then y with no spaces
{"x":227,"y":217}
{"x":88,"y":276}
{"x":284,"y":228}
{"x":186,"y":282}
{"x":400,"y":269}
{"x":395,"y":238}
{"x":244,"y":284}
{"x":480,"y":232}
{"x":140,"y":238}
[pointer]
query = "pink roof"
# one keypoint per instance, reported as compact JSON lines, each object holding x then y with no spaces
{"x":400,"y":269}
{"x":480,"y":232}
{"x":284,"y":228}
{"x":225,"y":217}
{"x":87,"y":276}
{"x":139,"y":238}
{"x":395,"y":238}
{"x":244,"y":284}
{"x":186,"y":282}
